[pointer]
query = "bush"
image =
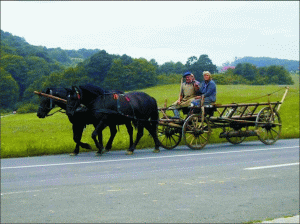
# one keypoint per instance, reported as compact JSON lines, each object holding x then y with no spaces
{"x":164,"y":79}
{"x":5,"y":111}
{"x":28,"y":108}
{"x":230,"y":79}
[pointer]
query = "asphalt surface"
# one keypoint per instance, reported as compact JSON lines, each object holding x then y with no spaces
{"x":221,"y":183}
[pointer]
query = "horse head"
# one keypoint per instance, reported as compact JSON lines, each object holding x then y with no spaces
{"x":74,"y":97}
{"x":46,"y":104}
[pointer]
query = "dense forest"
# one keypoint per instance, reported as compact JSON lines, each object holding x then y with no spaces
{"x":25,"y":68}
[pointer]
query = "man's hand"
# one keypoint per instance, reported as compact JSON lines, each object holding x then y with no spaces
{"x":199,"y":97}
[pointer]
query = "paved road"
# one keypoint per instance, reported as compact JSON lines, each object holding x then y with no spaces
{"x":221,"y":183}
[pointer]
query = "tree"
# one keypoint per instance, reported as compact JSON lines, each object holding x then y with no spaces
{"x":154,"y":63}
{"x":279,"y":75}
{"x":238,"y":69}
{"x":74,"y":77}
{"x":191,"y":60}
{"x":206,"y":64}
{"x":36,"y":67}
{"x":197,"y":67}
{"x":247,"y":70}
{"x":9,"y":90}
{"x":97,"y":66}
{"x":18,"y":68}
{"x":116,"y":77}
{"x":179,"y":68}
{"x":126,"y":60}
{"x":167,"y":68}
{"x":60,"y":55}
{"x":137,"y":75}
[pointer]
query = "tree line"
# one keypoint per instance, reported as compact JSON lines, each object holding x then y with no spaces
{"x":26,"y":68}
{"x":290,"y":65}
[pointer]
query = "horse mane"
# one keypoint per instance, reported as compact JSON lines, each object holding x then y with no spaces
{"x":95,"y":91}
{"x":57,"y":91}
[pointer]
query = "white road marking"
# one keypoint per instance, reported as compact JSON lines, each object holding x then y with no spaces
{"x":145,"y":158}
{"x":21,"y":192}
{"x":271,"y":166}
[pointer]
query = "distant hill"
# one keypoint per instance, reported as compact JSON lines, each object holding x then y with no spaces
{"x":15,"y":45}
{"x":290,"y":65}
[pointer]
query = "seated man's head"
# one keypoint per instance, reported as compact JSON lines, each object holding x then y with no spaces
{"x":188,"y":77}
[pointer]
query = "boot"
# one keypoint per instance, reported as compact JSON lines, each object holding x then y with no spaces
{"x":176,"y":114}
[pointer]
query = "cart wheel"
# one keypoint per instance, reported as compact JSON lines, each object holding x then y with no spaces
{"x":195,"y":132}
{"x":269,"y":131}
{"x":169,"y":137}
{"x":235,"y":140}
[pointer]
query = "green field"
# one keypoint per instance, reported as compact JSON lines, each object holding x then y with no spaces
{"x":27,"y":135}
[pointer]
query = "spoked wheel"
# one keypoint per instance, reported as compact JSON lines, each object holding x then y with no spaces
{"x":169,"y":137}
{"x":268,"y":126}
{"x":235,"y":140}
{"x":195,"y":132}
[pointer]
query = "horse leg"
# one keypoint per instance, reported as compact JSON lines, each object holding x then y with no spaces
{"x":153,"y":132}
{"x":113,"y":132}
{"x":130,"y":132}
{"x":77,"y":134}
{"x":138,"y":137}
{"x":98,"y":132}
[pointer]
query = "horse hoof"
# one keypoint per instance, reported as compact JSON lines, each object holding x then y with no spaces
{"x":98,"y":154}
{"x":156,"y":150}
{"x":129,"y":152}
{"x":105,"y":151}
{"x":73,"y":154}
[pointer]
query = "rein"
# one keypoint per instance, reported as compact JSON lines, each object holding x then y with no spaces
{"x":267,"y":95}
{"x":60,"y":110}
{"x":51,"y":102}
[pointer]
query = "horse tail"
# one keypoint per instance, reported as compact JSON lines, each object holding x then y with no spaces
{"x":154,"y":115}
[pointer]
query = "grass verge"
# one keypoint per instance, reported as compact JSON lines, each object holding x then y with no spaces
{"x":26,"y":135}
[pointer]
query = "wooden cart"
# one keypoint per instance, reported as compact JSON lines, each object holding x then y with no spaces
{"x":237,"y":121}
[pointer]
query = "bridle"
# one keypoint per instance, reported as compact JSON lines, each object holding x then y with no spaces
{"x":51,"y":106}
{"x":77,"y":92}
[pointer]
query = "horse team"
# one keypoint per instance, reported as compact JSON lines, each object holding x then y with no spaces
{"x":89,"y":104}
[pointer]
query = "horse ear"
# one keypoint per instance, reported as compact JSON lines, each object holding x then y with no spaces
{"x":75,"y":88}
{"x":68,"y":89}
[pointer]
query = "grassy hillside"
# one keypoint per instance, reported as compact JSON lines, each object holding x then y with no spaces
{"x":27,"y":135}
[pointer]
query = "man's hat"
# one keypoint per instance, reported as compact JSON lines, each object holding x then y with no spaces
{"x":186,"y":74}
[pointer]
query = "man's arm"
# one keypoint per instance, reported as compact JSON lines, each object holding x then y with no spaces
{"x":211,"y":89}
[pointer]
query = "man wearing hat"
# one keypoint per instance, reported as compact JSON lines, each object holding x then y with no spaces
{"x":208,"y":90}
{"x":188,"y":91}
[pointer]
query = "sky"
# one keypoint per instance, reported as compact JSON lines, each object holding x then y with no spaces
{"x":161,"y":30}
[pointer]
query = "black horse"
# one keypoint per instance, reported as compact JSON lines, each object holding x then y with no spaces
{"x":80,"y":118}
{"x":113,"y":109}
